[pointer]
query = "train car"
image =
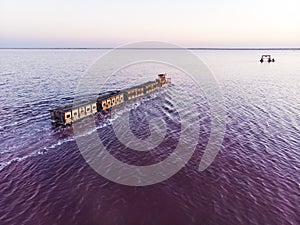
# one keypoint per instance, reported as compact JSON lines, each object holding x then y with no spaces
{"x":150,"y":87}
{"x":163,"y":80}
{"x":110,"y":100}
{"x":140,"y":90}
{"x":70,"y":113}
{"x":133,"y":92}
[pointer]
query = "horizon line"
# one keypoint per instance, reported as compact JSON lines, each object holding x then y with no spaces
{"x":110,"y":48}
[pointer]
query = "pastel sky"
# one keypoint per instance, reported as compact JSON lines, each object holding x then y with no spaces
{"x":110,"y":23}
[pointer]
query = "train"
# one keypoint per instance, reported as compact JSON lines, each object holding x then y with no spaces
{"x":67,"y":114}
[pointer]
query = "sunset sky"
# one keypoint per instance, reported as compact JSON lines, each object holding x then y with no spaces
{"x":191,"y":23}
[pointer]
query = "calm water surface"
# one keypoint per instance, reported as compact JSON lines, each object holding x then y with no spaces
{"x":255,"y":178}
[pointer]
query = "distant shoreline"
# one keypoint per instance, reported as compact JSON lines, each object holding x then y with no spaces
{"x":228,"y":49}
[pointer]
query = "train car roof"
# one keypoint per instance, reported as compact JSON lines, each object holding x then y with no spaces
{"x":139,"y":86}
{"x":108,"y":94}
{"x":74,"y":105}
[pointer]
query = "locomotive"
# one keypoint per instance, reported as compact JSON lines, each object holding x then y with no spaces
{"x":68,"y":114}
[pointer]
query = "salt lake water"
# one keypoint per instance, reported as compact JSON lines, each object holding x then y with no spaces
{"x":254,"y":179}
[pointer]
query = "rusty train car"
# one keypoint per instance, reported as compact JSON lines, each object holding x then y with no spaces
{"x":68,"y":114}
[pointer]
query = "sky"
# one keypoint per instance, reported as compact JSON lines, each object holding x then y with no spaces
{"x":111,"y":23}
